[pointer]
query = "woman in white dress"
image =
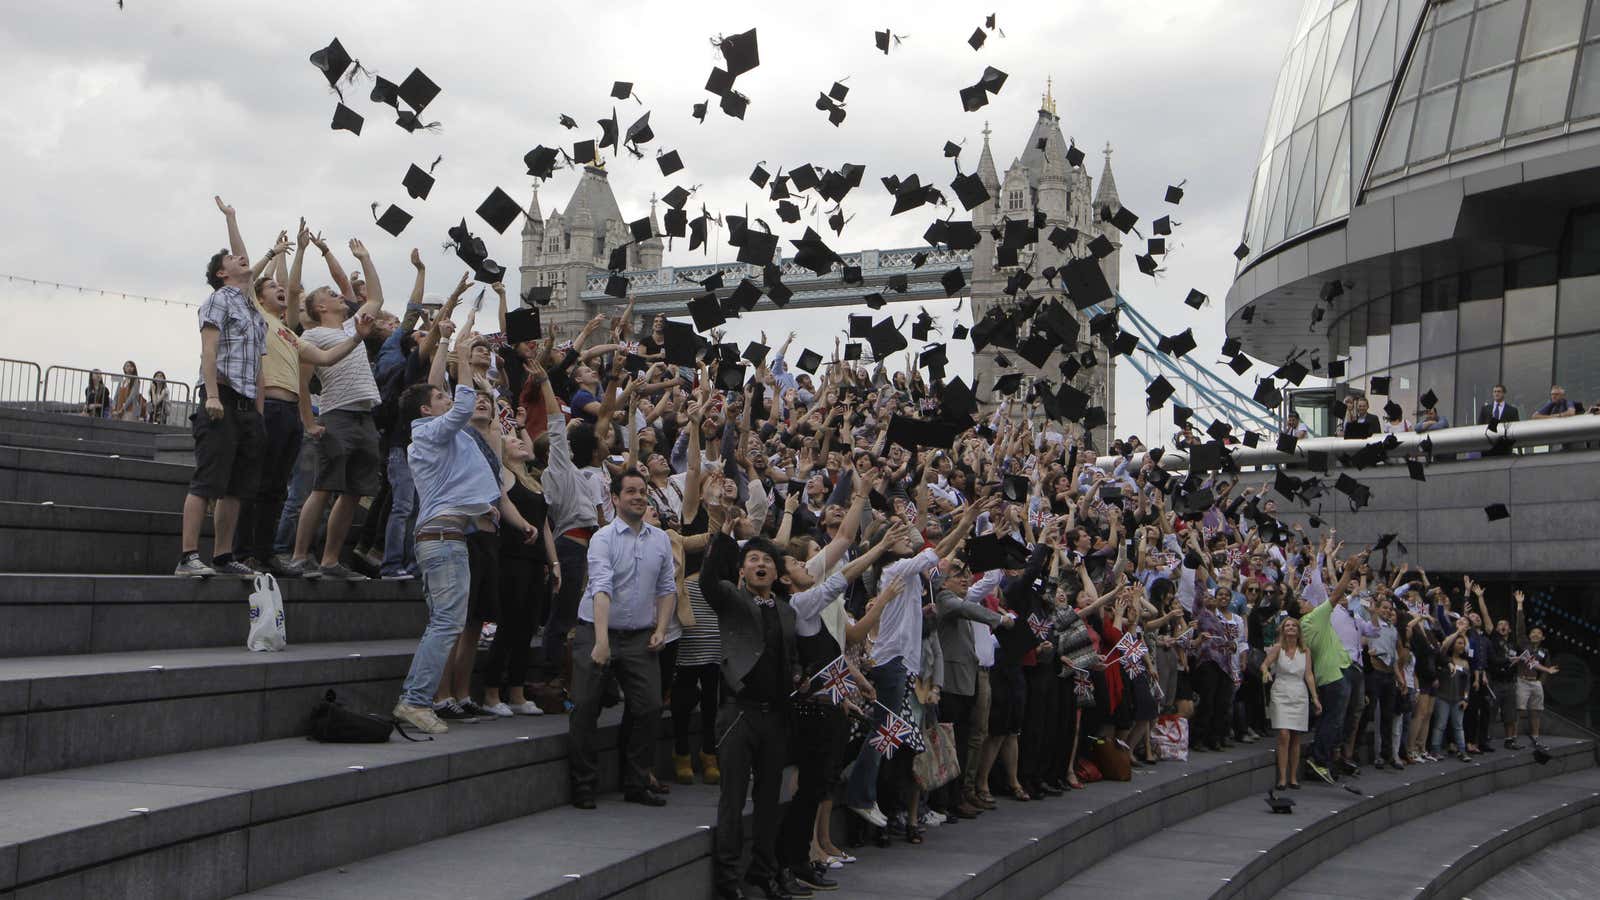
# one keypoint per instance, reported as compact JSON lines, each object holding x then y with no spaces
{"x":1287,"y":669}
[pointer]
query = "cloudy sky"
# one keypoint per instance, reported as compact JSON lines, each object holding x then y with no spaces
{"x":123,"y":124}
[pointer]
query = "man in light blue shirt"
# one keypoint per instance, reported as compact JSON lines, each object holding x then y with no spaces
{"x":622,"y":625}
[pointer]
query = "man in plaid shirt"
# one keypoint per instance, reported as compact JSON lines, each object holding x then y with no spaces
{"x":228,"y":433}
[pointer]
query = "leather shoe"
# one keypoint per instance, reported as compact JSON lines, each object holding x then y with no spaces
{"x":793,"y":886}
{"x":816,"y":877}
{"x":770,"y":889}
{"x":583,"y":801}
{"x":965,"y":810}
{"x":644,"y":798}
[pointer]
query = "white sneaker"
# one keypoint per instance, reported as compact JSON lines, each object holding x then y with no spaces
{"x":931,"y":819}
{"x":421,"y":718}
{"x":499,"y":709}
{"x":527,"y":708}
{"x":872,"y":814}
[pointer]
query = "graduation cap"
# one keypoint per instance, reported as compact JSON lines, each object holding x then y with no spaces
{"x":741,"y":52}
{"x":1124,"y":219}
{"x":394,"y":219}
{"x":608,"y":130}
{"x":1241,"y":251}
{"x":583,"y":152}
{"x":1287,"y":443}
{"x":852,"y":351}
{"x":881,"y":40}
{"x":1101,"y":247}
{"x":808,"y":361}
{"x":1496,"y":512}
{"x":1380,"y":384}
{"x":618,"y":259}
{"x":707,"y":312}
{"x":731,"y":378}
{"x":1061,"y":237}
{"x":1336,"y":368}
{"x":680,"y":344}
{"x":1281,"y":805}
{"x":1415,"y":469}
{"x":1293,"y":372}
{"x":913,"y":433}
{"x":640,"y":132}
{"x":804,"y":177}
{"x":977,"y":38}
{"x":1036,"y":350}
{"x":886,"y":339}
{"x":959,"y":332}
{"x":332,"y":61}
{"x":616,"y":286}
{"x":1251,"y":439}
{"x":1085,"y":282}
{"x":1147,"y":263}
{"x":974,"y":98}
{"x":541,"y":161}
{"x":676,"y":198}
{"x":346,"y":119}
{"x":1267,"y":394}
{"x":1195,"y":300}
{"x":1286,"y":484}
{"x":1158,"y":392}
{"x":568,"y":122}
{"x":988,"y":552}
{"x":417,"y":182}
{"x":1009,"y":383}
{"x":1205,"y":457}
{"x":953,"y":281}
{"x":385,"y":91}
{"x":1155,"y":247}
{"x":934,"y":356}
{"x":1175,"y":193}
{"x":640,"y":229}
{"x":1179,"y":344}
{"x":970,"y":190}
{"x":1360,"y":495}
{"x":1014,"y":488}
{"x":899,"y":283}
{"x":675,"y":223}
{"x":499,"y":210}
{"x":788,"y":212}
{"x":1429,"y":400}
{"x":1126,"y":342}
{"x":1162,"y":225}
{"x":622,"y":90}
{"x":992,"y":79}
{"x":1094,"y":417}
{"x":1392,"y":410}
{"x":958,"y":399}
{"x":951,"y":150}
{"x":540,"y":294}
{"x":746,"y":295}
{"x":522,"y":325}
{"x":1219,"y":430}
{"x":922,"y":326}
{"x":779,"y":293}
{"x":418,"y":91}
{"x":758,"y":249}
{"x":699,"y":111}
{"x":734,"y":104}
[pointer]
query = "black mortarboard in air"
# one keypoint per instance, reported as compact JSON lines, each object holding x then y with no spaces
{"x":1392,"y":411}
{"x":759,"y":176}
{"x":409,"y":121}
{"x":641,"y":229}
{"x":608,"y":130}
{"x":934,"y":356}
{"x":522,"y":325}
{"x":618,"y":260}
{"x":851,"y":275}
{"x":1267,"y":394}
{"x":922,"y":326}
{"x":970,"y":190}
{"x":1008,"y":383}
{"x":852,"y":351}
{"x":622,"y":90}
{"x":758,"y":248}
{"x":731,"y":378}
{"x":1074,"y":156}
{"x":1251,"y":439}
{"x":1036,"y":350}
{"x":881,"y":40}
{"x":616,"y":286}
{"x":488,"y":272}
{"x":992,"y":79}
{"x":913,"y":433}
{"x":1181,"y":414}
{"x":1085,"y":282}
{"x":541,"y":294}
{"x":741,"y":52}
{"x":734,"y":104}
{"x":499,"y":210}
{"x":953,"y":281}
{"x":1158,"y":392}
{"x":1336,"y":368}
{"x":1360,"y":495}
{"x":676,"y":198}
{"x":1205,"y":457}
{"x":779,"y":293}
{"x":951,"y":150}
{"x":1014,"y":488}
{"x":714,"y":283}
{"x":1124,"y":219}
{"x":838,"y":92}
{"x":977,"y":38}
{"x":1147,"y":263}
{"x":640,"y":131}
{"x":974,"y":98}
{"x":898,"y":283}
{"x":1429,"y":400}
{"x":541,"y":161}
{"x":1094,"y":417}
{"x":1162,"y":225}
{"x":675,"y":223}
{"x":707,"y":312}
{"x":747,"y":295}
{"x":1195,"y":300}
{"x":385,"y":91}
{"x":583,"y":152}
{"x":1241,"y":251}
{"x":1287,"y":443}
{"x":1293,"y":372}
{"x":332,"y":61}
{"x":1380,"y":384}
{"x":1286,"y":484}
{"x":669,"y":162}
{"x":886,"y":339}
{"x":988,"y":552}
{"x":1126,"y":342}
{"x":346,"y":119}
{"x":808,"y":361}
{"x":719,"y":82}
{"x":860,"y":326}
{"x":680,"y":344}
{"x":1155,"y":247}
{"x":1415,"y":469}
{"x":1174,"y":193}
{"x":1496,"y":512}
{"x":418,"y":90}
{"x":1101,"y":247}
{"x":699,"y":111}
{"x":1219,"y":429}
{"x":394,"y":220}
{"x":1179,"y":344}
{"x":417,"y":182}
{"x":568,"y":122}
{"x":1061,"y":237}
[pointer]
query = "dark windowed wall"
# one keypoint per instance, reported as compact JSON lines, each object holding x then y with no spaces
{"x":1527,"y":324}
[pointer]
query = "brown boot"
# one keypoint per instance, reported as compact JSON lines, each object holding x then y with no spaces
{"x":709,"y":773}
{"x":683,"y":769}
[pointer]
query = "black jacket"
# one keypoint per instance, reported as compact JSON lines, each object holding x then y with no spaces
{"x":739,"y":616}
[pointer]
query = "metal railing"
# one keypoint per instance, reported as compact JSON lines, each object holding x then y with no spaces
{"x":1533,"y":433}
{"x":19,"y":383}
{"x":65,"y":389}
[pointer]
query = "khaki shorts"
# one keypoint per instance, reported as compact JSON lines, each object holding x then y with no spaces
{"x":1530,"y":695}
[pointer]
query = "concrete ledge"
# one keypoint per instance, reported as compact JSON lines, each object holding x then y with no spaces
{"x":64,"y":614}
{"x":15,"y":421}
{"x":81,"y":479}
{"x":281,"y":809}
{"x":1513,"y":846}
{"x":1300,"y":850}
{"x":65,"y":712}
{"x":77,"y":445}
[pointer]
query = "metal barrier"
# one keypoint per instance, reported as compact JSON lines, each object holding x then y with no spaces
{"x":19,"y":383}
{"x":66,"y":389}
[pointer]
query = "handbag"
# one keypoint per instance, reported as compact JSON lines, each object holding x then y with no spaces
{"x":1170,"y":736}
{"x":1114,"y":760}
{"x":939,"y":764}
{"x":266,"y":616}
{"x":334,"y":723}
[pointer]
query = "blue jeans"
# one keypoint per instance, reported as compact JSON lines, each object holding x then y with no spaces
{"x":299,"y":487}
{"x":445,"y":576}
{"x":889,"y":680}
{"x":1446,"y":716}
{"x":1330,"y":725}
{"x":399,"y":544}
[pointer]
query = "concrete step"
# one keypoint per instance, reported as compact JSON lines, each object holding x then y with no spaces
{"x":76,"y":445}
{"x":214,"y":823}
{"x":62,"y":614}
{"x":1458,"y":846}
{"x":1242,"y":850}
{"x":67,"y":539}
{"x":1555,"y":867}
{"x":131,"y":434}
{"x":30,"y":475}
{"x":64,"y":712}
{"x":1019,"y":850}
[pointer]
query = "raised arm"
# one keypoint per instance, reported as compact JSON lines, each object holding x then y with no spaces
{"x":235,"y":239}
{"x":335,"y":270}
{"x":297,"y":290}
{"x":374,"y":304}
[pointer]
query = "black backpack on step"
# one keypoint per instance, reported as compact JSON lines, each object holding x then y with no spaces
{"x":334,"y":723}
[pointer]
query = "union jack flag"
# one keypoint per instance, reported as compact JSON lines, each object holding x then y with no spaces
{"x":1122,"y":648}
{"x":895,"y":733}
{"x":836,"y":682}
{"x":1041,"y":627}
{"x":1133,"y":659}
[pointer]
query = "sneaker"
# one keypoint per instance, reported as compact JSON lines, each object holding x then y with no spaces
{"x":1464,"y":757}
{"x":191,"y":567}
{"x":420,"y":718}
{"x":233,"y":567}
{"x":1319,"y":770}
{"x":499,"y":709}
{"x":815,"y":876}
{"x":477,"y":710}
{"x":340,"y":572}
{"x":930,"y":819}
{"x":451,"y":711}
{"x":1511,"y":744}
{"x":872,"y":814}
{"x":527,"y":708}
{"x":283,"y":567}
{"x":364,"y":567}
{"x":308,"y":570}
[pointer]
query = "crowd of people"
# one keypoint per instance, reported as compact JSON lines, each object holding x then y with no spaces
{"x":132,"y":401}
{"x":925,"y":613}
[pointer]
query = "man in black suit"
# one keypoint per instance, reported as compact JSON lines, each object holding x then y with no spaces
{"x":1498,"y":410}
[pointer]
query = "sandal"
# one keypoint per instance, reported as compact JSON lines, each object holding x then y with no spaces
{"x":914,"y":834}
{"x":985,"y":800}
{"x":1020,"y":795}
{"x":1074,"y":783}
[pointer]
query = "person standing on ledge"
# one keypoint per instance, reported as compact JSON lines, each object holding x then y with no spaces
{"x":228,"y":434}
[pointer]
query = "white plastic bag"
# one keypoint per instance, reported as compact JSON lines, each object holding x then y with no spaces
{"x":266,"y":616}
{"x":1170,"y":737}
